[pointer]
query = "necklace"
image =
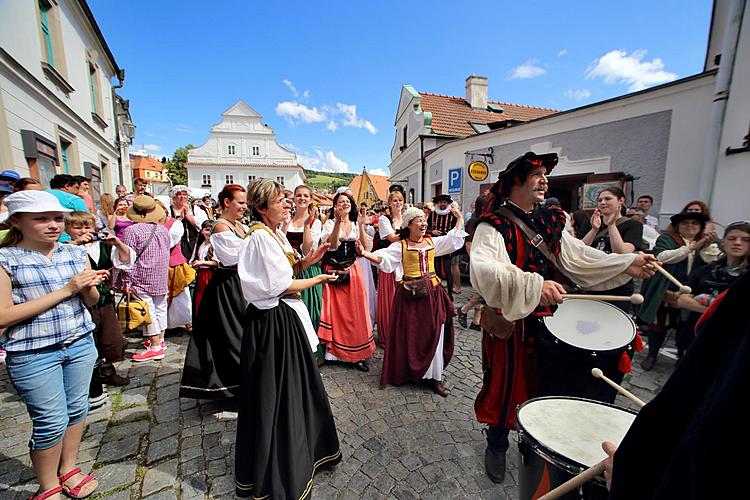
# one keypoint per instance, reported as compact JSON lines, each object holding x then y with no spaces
{"x":233,"y":224}
{"x":417,"y":242}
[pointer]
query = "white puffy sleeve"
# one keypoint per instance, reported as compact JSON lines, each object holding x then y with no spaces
{"x":391,"y":259}
{"x":591,"y":268}
{"x":452,"y":241}
{"x":315,"y":230}
{"x":498,"y":280}
{"x":226,"y":247}
{"x":263,"y":269}
{"x":175,"y":233}
{"x":384,"y":226}
{"x":200,"y":216}
{"x":123,"y":265}
{"x":326,"y":231}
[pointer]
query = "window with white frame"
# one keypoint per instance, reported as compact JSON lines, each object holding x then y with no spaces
{"x":206,"y":180}
{"x":256,"y":150}
{"x":229,"y":179}
{"x":280,"y":180}
{"x":231,"y":149}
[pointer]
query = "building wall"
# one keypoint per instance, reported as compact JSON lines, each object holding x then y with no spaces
{"x":292,"y":176}
{"x":32,"y":101}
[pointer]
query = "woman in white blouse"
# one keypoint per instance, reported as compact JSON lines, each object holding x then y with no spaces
{"x":345,"y":324}
{"x":212,"y":361}
{"x":388,"y":230}
{"x":285,"y":429}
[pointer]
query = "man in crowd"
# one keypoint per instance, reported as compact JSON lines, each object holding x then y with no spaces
{"x":649,"y":233}
{"x":7,"y":179}
{"x":83,"y":192}
{"x":121,"y":191}
{"x":645,"y":202}
{"x":511,"y":271}
{"x":439,"y":222}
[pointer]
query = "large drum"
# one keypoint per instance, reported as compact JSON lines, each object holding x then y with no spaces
{"x":558,"y":438}
{"x":581,"y":335}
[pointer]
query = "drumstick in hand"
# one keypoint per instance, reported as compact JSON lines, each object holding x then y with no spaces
{"x":636,"y":298}
{"x":683,"y":288}
{"x":575,"y":482}
{"x":596,"y":372}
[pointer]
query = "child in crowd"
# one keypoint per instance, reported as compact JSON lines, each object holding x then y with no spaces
{"x":204,"y":261}
{"x":105,"y":252}
{"x":45,"y":288}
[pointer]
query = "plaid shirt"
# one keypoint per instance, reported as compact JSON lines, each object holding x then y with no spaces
{"x":150,"y":272}
{"x":32,"y":275}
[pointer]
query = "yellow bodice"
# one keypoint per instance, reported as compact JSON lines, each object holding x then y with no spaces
{"x":419,"y":261}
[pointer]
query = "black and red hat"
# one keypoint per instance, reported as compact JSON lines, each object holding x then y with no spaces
{"x":530,"y":161}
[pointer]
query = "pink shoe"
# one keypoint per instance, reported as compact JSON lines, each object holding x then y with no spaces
{"x":3,"y":354}
{"x":149,"y":354}
{"x":147,"y":344}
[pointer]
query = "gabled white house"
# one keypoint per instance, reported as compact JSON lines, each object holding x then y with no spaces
{"x":239,"y":149}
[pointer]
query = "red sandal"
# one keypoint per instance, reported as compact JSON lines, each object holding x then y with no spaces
{"x":74,"y":491}
{"x":41,"y":495}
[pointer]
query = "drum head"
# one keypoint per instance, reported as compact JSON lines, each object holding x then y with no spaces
{"x":591,"y":324}
{"x":574,"y":428}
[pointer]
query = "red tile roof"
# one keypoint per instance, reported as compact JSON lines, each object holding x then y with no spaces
{"x":451,"y":115}
{"x":146,"y":163}
{"x":381,"y":184}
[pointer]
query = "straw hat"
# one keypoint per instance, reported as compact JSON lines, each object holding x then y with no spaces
{"x":145,"y":209}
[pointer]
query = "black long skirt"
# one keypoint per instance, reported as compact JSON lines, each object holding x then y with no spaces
{"x":212,"y":361}
{"x":285,"y":429}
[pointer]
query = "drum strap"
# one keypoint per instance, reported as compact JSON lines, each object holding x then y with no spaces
{"x":535,"y":238}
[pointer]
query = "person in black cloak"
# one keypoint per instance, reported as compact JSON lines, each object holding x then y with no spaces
{"x":683,"y":444}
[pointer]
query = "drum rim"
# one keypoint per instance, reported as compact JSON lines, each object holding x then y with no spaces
{"x":546,"y":319}
{"x":558,"y":459}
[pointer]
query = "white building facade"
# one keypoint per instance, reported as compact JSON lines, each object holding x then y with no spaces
{"x":57,"y":101}
{"x":240,"y":149}
{"x":657,"y":141}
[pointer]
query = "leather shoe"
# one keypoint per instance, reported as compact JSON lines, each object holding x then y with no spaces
{"x":362,"y":366}
{"x":115,"y":379}
{"x":461,"y":318}
{"x":494,"y":465}
{"x":648,"y":363}
{"x":439,"y":389}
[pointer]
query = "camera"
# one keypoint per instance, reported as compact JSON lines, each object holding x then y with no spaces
{"x":100,"y":235}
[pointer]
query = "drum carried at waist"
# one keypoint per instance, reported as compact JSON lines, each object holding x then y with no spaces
{"x":559,"y":437}
{"x":581,"y":335}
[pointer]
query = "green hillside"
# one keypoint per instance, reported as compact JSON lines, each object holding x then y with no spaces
{"x":327,"y":181}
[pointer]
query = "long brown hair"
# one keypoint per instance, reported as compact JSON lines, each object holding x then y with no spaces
{"x":13,"y":237}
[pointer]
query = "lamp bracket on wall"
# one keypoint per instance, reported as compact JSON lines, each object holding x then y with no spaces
{"x":489,"y":157}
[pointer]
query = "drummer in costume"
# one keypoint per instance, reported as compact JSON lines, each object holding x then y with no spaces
{"x":212,"y":361}
{"x":515,"y":279}
{"x":345,"y":317}
{"x":439,"y":222}
{"x":389,"y":228}
{"x":420,"y":340}
{"x":303,"y":232}
{"x":285,"y":429}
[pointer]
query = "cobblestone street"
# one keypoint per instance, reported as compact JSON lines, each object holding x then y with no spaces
{"x":400,"y":442}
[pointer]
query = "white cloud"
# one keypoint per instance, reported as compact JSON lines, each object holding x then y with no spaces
{"x":289,"y":146}
{"x":617,"y":66}
{"x":306,"y":95}
{"x":323,"y":161}
{"x":181,"y":127}
{"x":529,"y":69}
{"x":153,"y":148}
{"x":332,"y":126}
{"x":290,"y":86}
{"x":349,"y":111}
{"x":378,"y":171}
{"x":295,"y":112}
{"x":578,"y":95}
{"x":563,"y":52}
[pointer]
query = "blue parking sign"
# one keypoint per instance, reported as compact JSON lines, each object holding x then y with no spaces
{"x":454,"y":180}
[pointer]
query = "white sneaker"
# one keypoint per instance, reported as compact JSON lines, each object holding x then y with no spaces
{"x":98,"y":401}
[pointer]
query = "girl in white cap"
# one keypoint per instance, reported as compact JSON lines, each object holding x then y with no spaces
{"x":45,"y":288}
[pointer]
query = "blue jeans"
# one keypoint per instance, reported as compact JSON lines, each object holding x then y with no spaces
{"x":54,"y":384}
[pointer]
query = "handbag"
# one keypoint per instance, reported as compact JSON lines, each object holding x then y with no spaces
{"x":132,"y":311}
{"x":416,"y":288}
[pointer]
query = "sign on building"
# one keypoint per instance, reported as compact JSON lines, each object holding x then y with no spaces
{"x":454,"y":180}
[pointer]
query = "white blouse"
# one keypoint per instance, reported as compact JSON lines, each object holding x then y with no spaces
{"x":315,"y":230}
{"x":385,"y":227}
{"x":391,"y":255}
{"x":265,"y":274}
{"x":328,"y":229}
{"x":226,"y":247}
{"x":518,"y":292}
{"x":93,"y":250}
{"x":175,"y":233}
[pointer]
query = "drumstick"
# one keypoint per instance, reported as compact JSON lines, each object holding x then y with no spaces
{"x":636,"y":298}
{"x":683,"y":288}
{"x":596,"y":372}
{"x":574,"y":482}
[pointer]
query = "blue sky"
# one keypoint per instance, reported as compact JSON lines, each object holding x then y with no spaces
{"x":326,"y":76}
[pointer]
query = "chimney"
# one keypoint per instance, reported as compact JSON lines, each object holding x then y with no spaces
{"x":476,"y":91}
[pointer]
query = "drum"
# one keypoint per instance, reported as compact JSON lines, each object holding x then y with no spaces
{"x":581,"y":335}
{"x":559,"y":438}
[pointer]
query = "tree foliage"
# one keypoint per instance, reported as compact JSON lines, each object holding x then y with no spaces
{"x":176,"y":165}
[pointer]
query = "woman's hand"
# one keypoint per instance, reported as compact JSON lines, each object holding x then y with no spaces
{"x":340,"y":213}
{"x":456,"y":212}
{"x":85,"y":279}
{"x":317,"y":254}
{"x":359,"y":247}
{"x":596,"y":219}
{"x":611,"y":220}
{"x":698,"y":244}
{"x":326,"y":278}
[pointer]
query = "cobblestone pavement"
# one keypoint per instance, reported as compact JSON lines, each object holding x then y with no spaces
{"x":399,"y":442}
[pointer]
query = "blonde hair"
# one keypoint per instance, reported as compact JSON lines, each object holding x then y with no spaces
{"x":79,"y":218}
{"x":12,"y":238}
{"x":107,"y":202}
{"x":259,"y":193}
{"x":395,"y":194}
{"x":164,"y":208}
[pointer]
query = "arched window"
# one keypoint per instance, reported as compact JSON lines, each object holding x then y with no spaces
{"x":411,"y":196}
